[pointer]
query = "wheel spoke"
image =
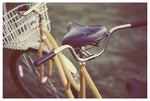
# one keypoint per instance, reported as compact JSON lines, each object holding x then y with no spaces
{"x":28,"y":77}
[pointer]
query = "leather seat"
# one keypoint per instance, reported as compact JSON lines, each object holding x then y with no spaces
{"x":81,"y":35}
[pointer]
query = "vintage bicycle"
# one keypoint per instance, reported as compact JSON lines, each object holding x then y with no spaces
{"x":27,"y":29}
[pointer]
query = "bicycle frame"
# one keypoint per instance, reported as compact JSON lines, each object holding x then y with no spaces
{"x":64,"y":73}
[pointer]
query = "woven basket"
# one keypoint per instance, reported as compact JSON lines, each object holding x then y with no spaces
{"x":22,"y":32}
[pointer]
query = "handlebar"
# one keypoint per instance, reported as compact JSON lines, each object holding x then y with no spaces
{"x":100,"y":52}
{"x":138,"y":24}
{"x":26,"y":9}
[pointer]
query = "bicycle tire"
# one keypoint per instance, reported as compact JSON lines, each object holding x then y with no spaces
{"x":27,"y":78}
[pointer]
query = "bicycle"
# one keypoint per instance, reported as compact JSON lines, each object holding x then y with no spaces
{"x":75,"y":43}
{"x":16,"y":36}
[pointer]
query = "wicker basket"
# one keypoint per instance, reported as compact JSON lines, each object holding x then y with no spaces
{"x":22,"y":32}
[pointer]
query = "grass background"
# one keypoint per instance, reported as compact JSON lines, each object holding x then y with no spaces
{"x":125,"y":57}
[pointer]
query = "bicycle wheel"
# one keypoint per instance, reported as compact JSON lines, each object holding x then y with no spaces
{"x":26,"y":76}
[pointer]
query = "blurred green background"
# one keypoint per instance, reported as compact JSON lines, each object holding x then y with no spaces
{"x":125,"y":57}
